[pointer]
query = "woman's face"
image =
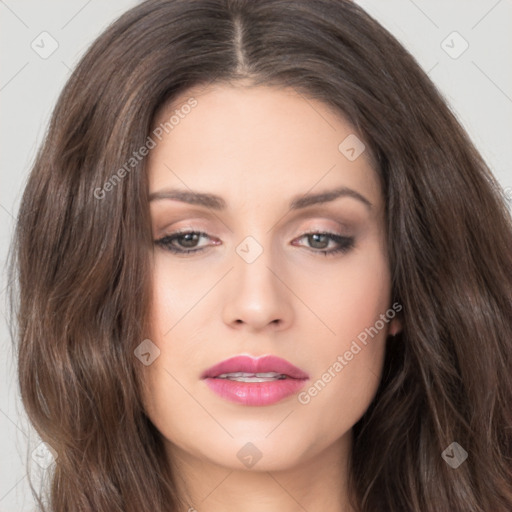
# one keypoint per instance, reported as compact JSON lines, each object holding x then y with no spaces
{"x":260,"y":282}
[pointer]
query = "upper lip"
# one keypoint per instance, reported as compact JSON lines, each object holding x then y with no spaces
{"x":248,"y":364}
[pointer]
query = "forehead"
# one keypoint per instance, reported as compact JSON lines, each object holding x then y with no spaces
{"x":267,"y":141}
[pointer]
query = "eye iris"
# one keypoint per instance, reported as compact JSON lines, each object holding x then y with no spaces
{"x":315,"y":236}
{"x":189,"y":238}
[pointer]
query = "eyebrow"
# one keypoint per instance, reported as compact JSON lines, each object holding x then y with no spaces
{"x":216,"y":202}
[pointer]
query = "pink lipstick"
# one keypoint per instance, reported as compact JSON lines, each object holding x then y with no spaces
{"x":249,"y":381}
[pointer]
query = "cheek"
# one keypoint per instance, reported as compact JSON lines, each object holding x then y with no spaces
{"x":180,"y":297}
{"x":350,"y":342}
{"x":174,"y":292}
{"x":347,"y":297}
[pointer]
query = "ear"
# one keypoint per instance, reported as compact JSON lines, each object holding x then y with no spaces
{"x":395,"y":327}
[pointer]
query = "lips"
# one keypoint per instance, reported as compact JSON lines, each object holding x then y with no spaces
{"x":254,"y":382}
{"x":247,"y":364}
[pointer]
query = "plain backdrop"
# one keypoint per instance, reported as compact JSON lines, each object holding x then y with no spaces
{"x":464,"y":45}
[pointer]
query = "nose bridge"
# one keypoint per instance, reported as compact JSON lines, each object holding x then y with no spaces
{"x":257,"y":296}
{"x":253,"y":263}
{"x":255,"y":249}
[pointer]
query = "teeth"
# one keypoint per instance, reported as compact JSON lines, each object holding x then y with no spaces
{"x":252,"y":377}
{"x":244,"y":374}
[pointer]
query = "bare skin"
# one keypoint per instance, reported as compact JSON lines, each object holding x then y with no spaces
{"x":258,"y":148}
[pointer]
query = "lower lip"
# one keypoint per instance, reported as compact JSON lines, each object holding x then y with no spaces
{"x":255,"y":393}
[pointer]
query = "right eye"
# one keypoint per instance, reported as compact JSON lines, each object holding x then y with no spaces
{"x":182,"y":242}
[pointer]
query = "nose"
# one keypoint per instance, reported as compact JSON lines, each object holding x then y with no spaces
{"x":257,"y":293}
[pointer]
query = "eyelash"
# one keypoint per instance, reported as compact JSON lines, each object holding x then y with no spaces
{"x":345,"y":243}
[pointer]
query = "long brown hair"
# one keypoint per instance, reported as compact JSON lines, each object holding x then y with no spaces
{"x":83,"y":277}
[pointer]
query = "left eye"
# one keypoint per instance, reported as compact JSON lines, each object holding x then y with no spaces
{"x":321,"y":240}
{"x":187,"y":242}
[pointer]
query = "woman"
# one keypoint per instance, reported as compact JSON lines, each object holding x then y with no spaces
{"x":261,"y":266}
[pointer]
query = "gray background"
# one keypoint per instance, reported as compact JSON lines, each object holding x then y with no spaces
{"x":477,"y":84}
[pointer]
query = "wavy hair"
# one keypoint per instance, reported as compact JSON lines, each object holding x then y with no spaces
{"x":82,"y":277}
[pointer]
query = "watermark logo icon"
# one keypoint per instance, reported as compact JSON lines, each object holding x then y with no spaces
{"x":454,"y":455}
{"x":249,"y":249}
{"x":454,"y":45}
{"x":147,"y":352}
{"x":44,"y":455}
{"x":508,"y":195}
{"x":44,"y":45}
{"x":351,"y":147}
{"x":249,"y":454}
